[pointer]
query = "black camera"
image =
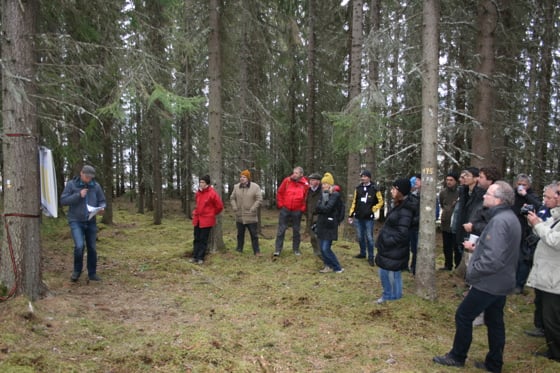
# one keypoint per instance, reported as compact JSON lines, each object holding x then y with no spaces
{"x":526,"y":209}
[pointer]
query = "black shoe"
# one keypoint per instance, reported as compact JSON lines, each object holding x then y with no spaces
{"x":371,"y":262}
{"x":444,"y":269}
{"x":277,"y":253}
{"x":537,"y":332}
{"x":481,"y":365}
{"x":94,"y":278}
{"x":542,"y":354}
{"x":239,"y":250}
{"x":75,"y":276}
{"x":448,"y":361}
{"x":360,"y":256}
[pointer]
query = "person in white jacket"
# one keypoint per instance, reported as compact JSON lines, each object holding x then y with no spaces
{"x":545,"y":276}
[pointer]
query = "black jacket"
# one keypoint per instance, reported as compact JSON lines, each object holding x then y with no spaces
{"x":393,"y":240}
{"x":468,"y":206}
{"x":327,"y":221}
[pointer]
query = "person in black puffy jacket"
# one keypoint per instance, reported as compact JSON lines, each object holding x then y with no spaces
{"x":393,"y":242}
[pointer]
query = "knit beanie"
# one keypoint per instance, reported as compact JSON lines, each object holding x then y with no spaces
{"x":365,"y":173}
{"x":402,"y":185}
{"x":453,"y":174}
{"x":328,"y":178}
{"x":246,"y":173}
{"x":205,"y":178}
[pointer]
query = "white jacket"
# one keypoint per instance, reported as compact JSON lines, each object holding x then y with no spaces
{"x":545,"y":274}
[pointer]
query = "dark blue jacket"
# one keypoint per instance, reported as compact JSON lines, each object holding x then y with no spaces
{"x":71,"y":197}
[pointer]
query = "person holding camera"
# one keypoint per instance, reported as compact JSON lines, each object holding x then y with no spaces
{"x":525,"y":200}
{"x":545,"y":277}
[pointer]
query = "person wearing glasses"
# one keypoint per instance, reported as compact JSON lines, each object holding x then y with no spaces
{"x":545,"y":277}
{"x":491,"y":274}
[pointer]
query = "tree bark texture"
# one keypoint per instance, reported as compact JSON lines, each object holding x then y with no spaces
{"x":425,"y":266}
{"x":20,"y":259}
{"x":484,"y":101}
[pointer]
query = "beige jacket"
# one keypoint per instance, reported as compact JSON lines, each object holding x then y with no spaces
{"x":545,"y":274}
{"x":245,"y":202}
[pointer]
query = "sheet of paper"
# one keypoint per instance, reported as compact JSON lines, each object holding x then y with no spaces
{"x":93,"y":211}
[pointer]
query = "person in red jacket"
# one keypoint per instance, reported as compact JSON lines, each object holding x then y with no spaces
{"x":290,"y":199}
{"x":208,"y":206}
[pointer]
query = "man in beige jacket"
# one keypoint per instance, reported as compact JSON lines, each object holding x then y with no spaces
{"x":246,"y":199}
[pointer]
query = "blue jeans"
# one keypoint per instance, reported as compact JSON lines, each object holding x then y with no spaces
{"x":364,"y":231}
{"x":283,"y":220}
{"x":329,"y":257}
{"x":84,"y":234}
{"x":392,"y":284}
{"x":473,"y":304}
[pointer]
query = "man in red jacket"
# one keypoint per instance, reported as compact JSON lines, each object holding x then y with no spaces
{"x":208,"y":205}
{"x":290,"y":199}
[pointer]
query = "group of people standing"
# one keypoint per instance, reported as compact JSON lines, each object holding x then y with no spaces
{"x":502,"y":238}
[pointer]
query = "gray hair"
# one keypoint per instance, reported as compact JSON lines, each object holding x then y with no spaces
{"x":526,"y":178}
{"x":504,"y":192}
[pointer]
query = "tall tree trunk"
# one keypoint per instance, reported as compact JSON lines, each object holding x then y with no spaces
{"x":20,"y":259}
{"x":484,"y":102}
{"x":544,"y":95}
{"x":370,"y":156}
{"x":353,"y":157}
{"x":425,"y":274}
{"x":108,"y":170}
{"x":311,"y":165}
{"x":215,"y":114}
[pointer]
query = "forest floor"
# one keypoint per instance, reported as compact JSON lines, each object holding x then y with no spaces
{"x":156,"y":312}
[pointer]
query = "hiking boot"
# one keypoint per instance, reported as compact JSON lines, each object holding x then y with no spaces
{"x":277,"y":253}
{"x":340,"y":270}
{"x":94,"y":278}
{"x":360,"y":256}
{"x":371,"y":262}
{"x":327,"y":269}
{"x":75,"y":276}
{"x":448,"y":361}
{"x":297,"y":252}
{"x":537,"y":332}
{"x":239,"y":250}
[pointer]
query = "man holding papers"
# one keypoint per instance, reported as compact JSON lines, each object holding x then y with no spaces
{"x":86,"y":199}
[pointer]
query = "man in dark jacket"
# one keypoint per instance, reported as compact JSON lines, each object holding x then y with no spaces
{"x":491,"y":273}
{"x":470,"y":201}
{"x":311,"y":202}
{"x":85,"y":198}
{"x":366,"y":202}
{"x":447,"y":199}
{"x":524,"y":196}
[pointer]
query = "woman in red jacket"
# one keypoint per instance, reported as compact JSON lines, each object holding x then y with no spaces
{"x":208,"y":205}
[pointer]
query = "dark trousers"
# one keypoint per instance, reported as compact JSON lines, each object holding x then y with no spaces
{"x":523,"y":266}
{"x":283,"y":220}
{"x":413,"y":239}
{"x":551,"y":319}
{"x":538,"y":316}
{"x":449,"y":250}
{"x":472,"y":305}
{"x":252,"y":228}
{"x":201,"y":236}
